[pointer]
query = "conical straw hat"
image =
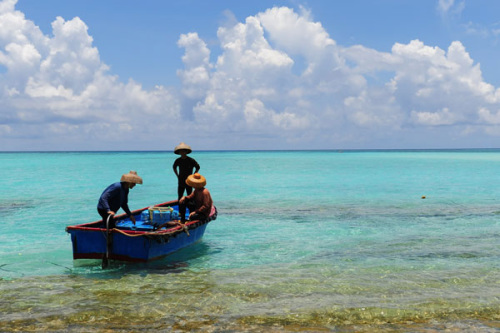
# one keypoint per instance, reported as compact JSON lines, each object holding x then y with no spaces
{"x":131,"y":177}
{"x":182,"y":146}
{"x":196,"y":180}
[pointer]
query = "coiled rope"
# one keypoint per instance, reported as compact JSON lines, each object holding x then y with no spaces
{"x":179,"y":228}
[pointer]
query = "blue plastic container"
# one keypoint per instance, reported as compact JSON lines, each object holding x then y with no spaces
{"x":160,"y":217}
{"x":145,"y":216}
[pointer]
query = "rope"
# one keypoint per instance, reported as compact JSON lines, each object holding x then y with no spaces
{"x":157,"y":233}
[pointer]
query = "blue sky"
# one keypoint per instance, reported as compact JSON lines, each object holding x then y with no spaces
{"x":130,"y":75}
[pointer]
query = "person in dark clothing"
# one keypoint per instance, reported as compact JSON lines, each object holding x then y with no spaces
{"x":183,"y":167}
{"x":115,"y":196}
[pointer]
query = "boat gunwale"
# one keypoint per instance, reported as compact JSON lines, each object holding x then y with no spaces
{"x":86,"y":226}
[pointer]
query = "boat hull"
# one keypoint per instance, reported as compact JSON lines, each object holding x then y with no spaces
{"x":91,"y":244}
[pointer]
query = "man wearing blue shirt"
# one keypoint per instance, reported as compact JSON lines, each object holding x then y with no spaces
{"x":115,"y":196}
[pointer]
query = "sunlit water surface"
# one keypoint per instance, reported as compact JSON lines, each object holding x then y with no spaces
{"x":304,"y":241}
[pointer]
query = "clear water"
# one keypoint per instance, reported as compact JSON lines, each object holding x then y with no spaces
{"x":304,"y":241}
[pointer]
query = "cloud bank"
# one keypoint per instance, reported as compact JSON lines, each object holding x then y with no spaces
{"x":280,"y":81}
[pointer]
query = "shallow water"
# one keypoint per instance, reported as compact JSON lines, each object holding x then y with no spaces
{"x":304,"y":241}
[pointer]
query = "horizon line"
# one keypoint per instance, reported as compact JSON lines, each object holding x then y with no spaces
{"x":255,"y":150}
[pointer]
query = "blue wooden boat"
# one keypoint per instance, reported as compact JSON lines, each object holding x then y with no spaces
{"x":139,"y":243}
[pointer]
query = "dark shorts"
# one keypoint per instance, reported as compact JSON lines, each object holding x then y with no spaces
{"x":104,"y":214}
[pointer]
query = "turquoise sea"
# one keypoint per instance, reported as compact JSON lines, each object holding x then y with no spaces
{"x":305,"y":241}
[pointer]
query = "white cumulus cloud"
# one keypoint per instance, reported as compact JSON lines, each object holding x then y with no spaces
{"x":60,"y":83}
{"x":278,"y":79}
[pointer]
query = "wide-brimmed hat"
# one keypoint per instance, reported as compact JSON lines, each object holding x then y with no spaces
{"x":131,"y":177}
{"x":196,"y":180}
{"x":182,"y":146}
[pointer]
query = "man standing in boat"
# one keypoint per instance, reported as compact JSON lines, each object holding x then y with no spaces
{"x":115,"y":196}
{"x":185,"y":164}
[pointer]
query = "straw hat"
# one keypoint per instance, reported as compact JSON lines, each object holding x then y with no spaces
{"x":196,"y":180}
{"x":182,"y":146}
{"x":131,"y":177}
